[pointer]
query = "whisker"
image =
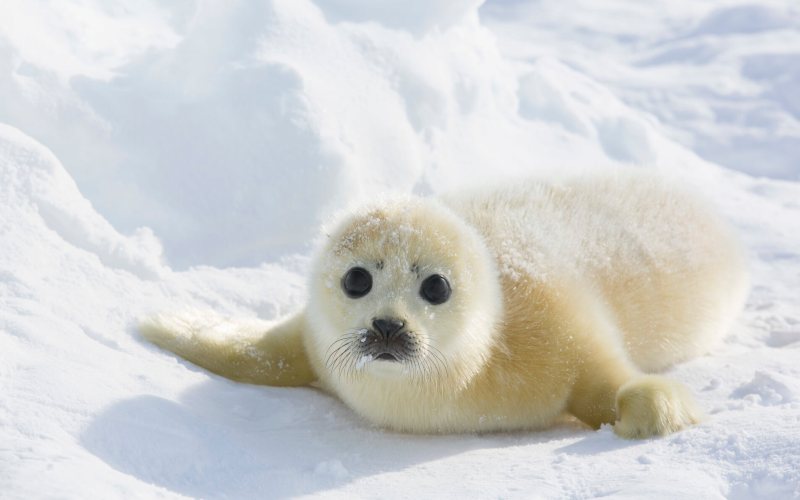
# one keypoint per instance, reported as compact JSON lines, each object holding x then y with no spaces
{"x":332,"y":354}
{"x":338,"y":350}
{"x":419,"y":373}
{"x":344,"y":353}
{"x":437,"y":362}
{"x":440,"y":358}
{"x":337,"y":353}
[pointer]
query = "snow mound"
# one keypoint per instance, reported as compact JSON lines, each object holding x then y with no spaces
{"x":720,"y":77}
{"x":556,"y":94}
{"x":236,"y":129}
{"x":417,"y":16}
{"x":33,"y":179}
{"x":769,"y":389}
{"x":747,"y":18}
{"x":232,"y":129}
{"x":780,"y":338}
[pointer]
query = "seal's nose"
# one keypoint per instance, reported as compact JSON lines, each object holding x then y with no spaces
{"x":388,"y":326}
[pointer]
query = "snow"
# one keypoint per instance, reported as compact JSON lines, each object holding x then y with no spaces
{"x":720,"y":76}
{"x":147,"y":147}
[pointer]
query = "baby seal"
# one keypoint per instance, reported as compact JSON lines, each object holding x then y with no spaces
{"x":500,"y":309}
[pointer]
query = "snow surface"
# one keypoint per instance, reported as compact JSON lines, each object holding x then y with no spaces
{"x":205,"y":135}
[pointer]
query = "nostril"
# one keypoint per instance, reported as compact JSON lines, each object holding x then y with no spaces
{"x":388,"y":326}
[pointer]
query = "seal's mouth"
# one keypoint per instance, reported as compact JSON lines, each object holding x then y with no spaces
{"x":394,"y":348}
{"x":373,"y":354}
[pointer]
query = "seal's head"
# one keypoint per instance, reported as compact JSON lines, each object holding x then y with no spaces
{"x":403,"y":290}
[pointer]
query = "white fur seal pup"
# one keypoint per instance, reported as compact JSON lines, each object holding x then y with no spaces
{"x":499,"y":310}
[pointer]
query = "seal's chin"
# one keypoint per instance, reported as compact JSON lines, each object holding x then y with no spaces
{"x":385,"y":369}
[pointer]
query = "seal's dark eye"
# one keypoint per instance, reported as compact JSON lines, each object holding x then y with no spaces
{"x":357,"y":282}
{"x":435,"y":289}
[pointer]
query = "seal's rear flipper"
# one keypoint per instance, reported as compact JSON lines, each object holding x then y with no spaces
{"x":251,"y":351}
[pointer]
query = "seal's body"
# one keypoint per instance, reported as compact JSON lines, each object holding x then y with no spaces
{"x":501,"y":309}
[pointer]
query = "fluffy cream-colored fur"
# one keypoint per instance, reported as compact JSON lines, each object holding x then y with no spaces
{"x":564,"y":295}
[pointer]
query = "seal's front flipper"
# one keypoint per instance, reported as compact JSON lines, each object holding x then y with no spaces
{"x":650,"y":405}
{"x":250,"y":351}
{"x":610,"y":390}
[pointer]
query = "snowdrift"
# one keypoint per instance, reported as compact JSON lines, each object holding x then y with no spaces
{"x":203,"y":135}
